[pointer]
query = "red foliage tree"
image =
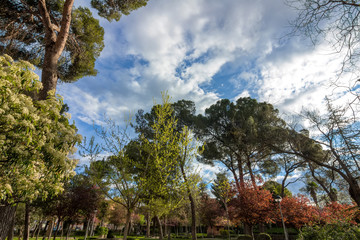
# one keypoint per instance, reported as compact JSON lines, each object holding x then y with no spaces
{"x":297,"y":211}
{"x":251,"y":205}
{"x":339,"y":213}
{"x":209,"y":209}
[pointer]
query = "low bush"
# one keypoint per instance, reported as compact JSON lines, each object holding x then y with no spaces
{"x":263,"y":236}
{"x":111,"y":234}
{"x":330,"y":232}
{"x":244,"y":237}
{"x":101,"y":231}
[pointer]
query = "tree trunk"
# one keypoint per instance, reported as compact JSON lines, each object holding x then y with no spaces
{"x":148,"y":225}
{"x":165,"y":226}
{"x":160,"y":228}
{"x":50,"y":229}
{"x":57,"y":228}
{"x":241,"y":174}
{"x":192,"y":205}
{"x":44,"y":231}
{"x":127,"y":224}
{"x":7,"y":214}
{"x":253,"y":181}
{"x":39,"y":229}
{"x":54,"y":45}
{"x":11,"y":227}
{"x":68,"y":231}
{"x":27,"y":222}
{"x":87,"y":228}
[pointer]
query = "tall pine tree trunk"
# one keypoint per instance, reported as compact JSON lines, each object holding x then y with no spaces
{"x":55,"y":40}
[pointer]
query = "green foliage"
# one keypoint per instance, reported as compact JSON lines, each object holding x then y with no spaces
{"x":90,"y":34}
{"x":102,"y":231}
{"x":24,"y":37}
{"x":275,"y":188}
{"x":330,"y":232}
{"x":263,"y":236}
{"x":112,"y":10}
{"x":35,"y":138}
{"x":224,"y":233}
{"x":244,"y":237}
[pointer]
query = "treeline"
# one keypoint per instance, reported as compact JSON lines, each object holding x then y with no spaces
{"x":154,"y":171}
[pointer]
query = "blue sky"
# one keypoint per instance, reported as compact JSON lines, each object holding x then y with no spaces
{"x":204,"y":50}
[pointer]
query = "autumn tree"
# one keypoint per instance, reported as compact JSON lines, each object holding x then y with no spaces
{"x":64,"y":42}
{"x":296,"y":211}
{"x":251,"y":206}
{"x":36,"y":139}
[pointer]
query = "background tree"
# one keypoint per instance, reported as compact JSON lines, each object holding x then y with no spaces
{"x":221,"y":189}
{"x":276,"y":189}
{"x":239,"y":135}
{"x":62,"y":41}
{"x":339,"y":134}
{"x":335,"y":21}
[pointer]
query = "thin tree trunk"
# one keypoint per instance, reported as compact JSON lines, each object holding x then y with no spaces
{"x":39,"y":229}
{"x":68,"y":231}
{"x":165,"y":226}
{"x":160,"y":228}
{"x":57,"y":228}
{"x":87,"y":229}
{"x":148,"y":224}
{"x":127,"y":224}
{"x":192,"y":205}
{"x":50,"y":230}
{"x":253,"y":181}
{"x":27,"y":222}
{"x":241,"y":174}
{"x":44,"y":231}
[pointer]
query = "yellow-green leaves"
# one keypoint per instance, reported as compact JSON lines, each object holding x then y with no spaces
{"x":35,"y":139}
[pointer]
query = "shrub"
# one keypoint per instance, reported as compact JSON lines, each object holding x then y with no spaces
{"x":330,"y":232}
{"x":263,"y":236}
{"x":224,"y":233}
{"x":102,"y":231}
{"x":111,"y":234}
{"x":244,"y":237}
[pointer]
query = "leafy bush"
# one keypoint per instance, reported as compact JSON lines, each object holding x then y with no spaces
{"x":224,"y":233}
{"x":244,"y":237}
{"x":263,"y":236}
{"x":330,"y":232}
{"x":102,"y":231}
{"x":111,"y":234}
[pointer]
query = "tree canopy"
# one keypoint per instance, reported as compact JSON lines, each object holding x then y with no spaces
{"x":62,"y":41}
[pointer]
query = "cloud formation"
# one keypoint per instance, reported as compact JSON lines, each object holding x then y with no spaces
{"x":202,"y":50}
